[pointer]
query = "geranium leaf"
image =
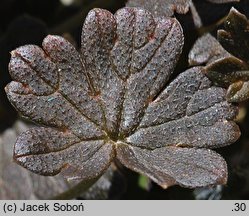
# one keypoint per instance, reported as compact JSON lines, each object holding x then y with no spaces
{"x":201,"y":116}
{"x":238,"y":91}
{"x":134,"y":60}
{"x":224,"y":69}
{"x":116,"y":91}
{"x":162,"y":7}
{"x":38,"y":149}
{"x":236,"y":36}
{"x":227,"y":71}
{"x":233,"y":71}
{"x":168,"y":7}
{"x":206,"y":50}
{"x":18,"y":183}
{"x":171,"y":165}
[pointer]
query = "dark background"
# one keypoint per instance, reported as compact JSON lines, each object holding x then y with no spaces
{"x":29,"y":21}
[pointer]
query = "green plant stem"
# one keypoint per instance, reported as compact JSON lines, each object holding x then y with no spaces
{"x":76,"y":190}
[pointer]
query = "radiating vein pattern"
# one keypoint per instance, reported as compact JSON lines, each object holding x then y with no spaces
{"x":113,"y":99}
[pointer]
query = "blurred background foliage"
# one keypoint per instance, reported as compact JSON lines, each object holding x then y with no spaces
{"x":29,"y":21}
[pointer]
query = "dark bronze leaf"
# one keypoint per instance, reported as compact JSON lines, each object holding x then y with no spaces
{"x":235,"y":37}
{"x":222,"y":68}
{"x":206,"y":50}
{"x":109,"y":101}
{"x":228,"y":70}
{"x":196,"y":119}
{"x":168,"y":166}
{"x":168,"y":7}
{"x":233,"y":71}
{"x":162,"y":7}
{"x":18,"y":183}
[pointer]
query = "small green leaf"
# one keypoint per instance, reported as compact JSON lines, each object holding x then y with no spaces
{"x":144,"y":182}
